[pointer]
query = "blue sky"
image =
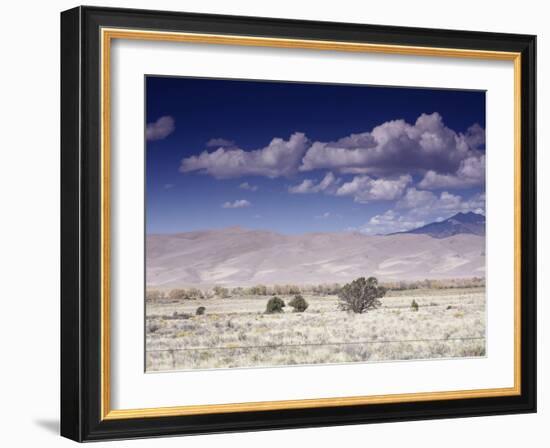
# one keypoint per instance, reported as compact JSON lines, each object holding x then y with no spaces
{"x":301,"y":157}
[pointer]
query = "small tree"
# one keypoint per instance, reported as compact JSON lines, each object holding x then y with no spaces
{"x":200,"y":310}
{"x":154,"y":294}
{"x":414,"y":305}
{"x":299,"y":304}
{"x":361,"y":295}
{"x":178,"y":294}
{"x":221,"y":292}
{"x":194,"y":293}
{"x":260,"y":290}
{"x":274,"y":305}
{"x":293,"y":289}
{"x":238,"y":291}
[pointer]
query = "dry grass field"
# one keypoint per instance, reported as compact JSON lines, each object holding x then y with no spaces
{"x":236,"y":331}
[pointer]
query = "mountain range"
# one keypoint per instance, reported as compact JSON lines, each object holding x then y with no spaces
{"x":235,"y":256}
{"x":461,"y":223}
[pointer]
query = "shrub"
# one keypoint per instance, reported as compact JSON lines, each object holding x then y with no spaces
{"x":194,"y":293}
{"x":258,"y":290}
{"x":326,"y":289}
{"x":221,"y":292}
{"x":238,"y":291}
{"x":293,"y":289}
{"x":153,"y":327}
{"x":200,"y":311}
{"x":154,"y":294}
{"x":414,"y":305}
{"x":274,"y":305}
{"x":299,"y":304}
{"x":361,"y":295}
{"x":177,"y":294}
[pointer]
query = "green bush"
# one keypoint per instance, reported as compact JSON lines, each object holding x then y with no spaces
{"x":274,"y":305}
{"x":200,"y":311}
{"x":414,"y":305}
{"x":298,"y":303}
{"x":361,"y":295}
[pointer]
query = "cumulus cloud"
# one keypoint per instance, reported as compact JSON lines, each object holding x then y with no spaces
{"x":419,"y":207}
{"x":239,"y":203}
{"x":390,"y":222}
{"x":220,"y":143}
{"x":397,"y":146}
{"x":247,"y":186}
{"x":445,"y":159}
{"x":471,"y":172}
{"x":365,"y":189}
{"x":327,"y":184}
{"x":414,"y":198}
{"x":307,"y":186}
{"x":362,"y":188}
{"x":423,"y":202}
{"x":160,"y":129}
{"x":475,"y":136}
{"x":279,"y":158}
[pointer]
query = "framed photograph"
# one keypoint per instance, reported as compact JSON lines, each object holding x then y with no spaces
{"x":277,"y":224}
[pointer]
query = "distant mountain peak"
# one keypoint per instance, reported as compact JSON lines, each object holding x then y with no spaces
{"x":468,"y":217}
{"x":462,"y":223}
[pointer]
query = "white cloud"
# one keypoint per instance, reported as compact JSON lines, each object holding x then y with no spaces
{"x":279,"y":158}
{"x":327,"y":184}
{"x":239,"y":203}
{"x":471,"y":172}
{"x":419,"y":207}
{"x":325,"y":215}
{"x":426,"y":203}
{"x":396,"y":146}
{"x":390,"y":222}
{"x":365,"y":189}
{"x":219,"y":143}
{"x":475,"y":136}
{"x":414,"y":198}
{"x":247,"y":186}
{"x":306,"y":186}
{"x":160,"y":129}
{"x":445,"y":158}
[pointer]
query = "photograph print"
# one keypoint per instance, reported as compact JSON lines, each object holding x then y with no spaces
{"x":292,"y":223}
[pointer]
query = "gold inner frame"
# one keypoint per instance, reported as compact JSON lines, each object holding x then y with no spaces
{"x":107,"y":35}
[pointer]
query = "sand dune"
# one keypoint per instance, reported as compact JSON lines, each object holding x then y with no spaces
{"x":241,"y":257}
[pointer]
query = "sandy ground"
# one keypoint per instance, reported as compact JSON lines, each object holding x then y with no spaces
{"x":235,"y":332}
{"x":242,"y":257}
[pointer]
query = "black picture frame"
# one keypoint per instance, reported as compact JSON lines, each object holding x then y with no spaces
{"x":81,"y":224}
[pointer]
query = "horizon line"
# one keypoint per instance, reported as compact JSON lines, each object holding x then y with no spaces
{"x":350,"y":230}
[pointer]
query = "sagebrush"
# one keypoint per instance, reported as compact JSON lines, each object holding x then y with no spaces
{"x":275,"y":305}
{"x":361,"y":295}
{"x":299,"y":303}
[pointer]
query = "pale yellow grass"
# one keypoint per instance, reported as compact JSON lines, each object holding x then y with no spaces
{"x":235,"y":332}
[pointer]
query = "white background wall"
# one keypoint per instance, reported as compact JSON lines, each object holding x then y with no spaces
{"x":29,"y":236}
